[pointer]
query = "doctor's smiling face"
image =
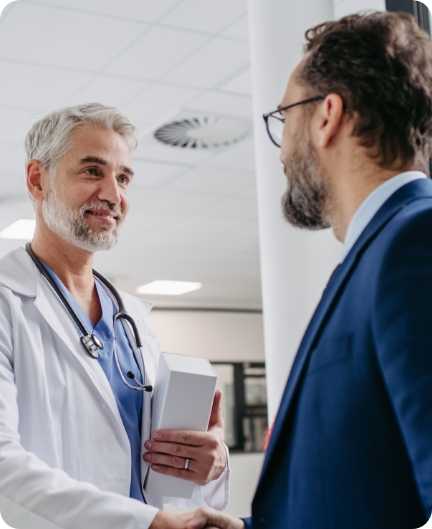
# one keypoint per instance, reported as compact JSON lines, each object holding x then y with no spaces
{"x":80,"y":195}
{"x":85,"y":199}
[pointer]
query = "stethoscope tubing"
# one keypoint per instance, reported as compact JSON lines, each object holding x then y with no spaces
{"x":86,"y":337}
{"x":56,"y":288}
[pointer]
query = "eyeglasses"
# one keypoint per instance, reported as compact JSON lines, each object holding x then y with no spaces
{"x":275,"y":121}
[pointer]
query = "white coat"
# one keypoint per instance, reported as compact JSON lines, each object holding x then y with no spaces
{"x":64,"y":453}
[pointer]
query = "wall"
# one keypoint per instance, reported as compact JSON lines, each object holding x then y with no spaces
{"x":245,"y":469}
{"x":214,"y":335}
{"x":218,"y":336}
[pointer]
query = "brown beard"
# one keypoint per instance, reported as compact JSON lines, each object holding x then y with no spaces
{"x":305,"y":202}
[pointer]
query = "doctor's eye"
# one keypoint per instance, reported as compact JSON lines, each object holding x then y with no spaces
{"x":93,"y":171}
{"x":123,"y":180}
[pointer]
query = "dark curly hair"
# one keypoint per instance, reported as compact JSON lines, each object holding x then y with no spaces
{"x":380,"y":63}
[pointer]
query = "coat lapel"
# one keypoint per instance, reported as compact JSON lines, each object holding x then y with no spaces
{"x":52,"y":312}
{"x":408,"y":193}
{"x":18,"y":273}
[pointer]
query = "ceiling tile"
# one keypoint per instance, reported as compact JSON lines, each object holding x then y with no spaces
{"x":222,"y":103}
{"x":14,"y":125}
{"x":160,"y":207}
{"x":211,"y":17}
{"x":154,"y":175}
{"x":157,"y":105}
{"x":39,"y":88}
{"x":193,"y":213}
{"x":147,"y":11}
{"x":111,"y":91}
{"x":238,"y":30}
{"x":240,"y":156}
{"x":12,"y":169}
{"x":71,"y":39}
{"x":156,"y":52}
{"x":205,"y":179}
{"x":214,"y":63}
{"x":240,"y":84}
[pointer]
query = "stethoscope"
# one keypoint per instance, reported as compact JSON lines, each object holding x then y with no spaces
{"x":91,"y":343}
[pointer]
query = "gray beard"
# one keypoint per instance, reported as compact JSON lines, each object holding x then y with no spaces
{"x":71,"y":225}
{"x":305,"y":202}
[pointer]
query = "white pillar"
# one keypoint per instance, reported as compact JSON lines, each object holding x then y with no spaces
{"x":348,"y":7}
{"x":295,"y":264}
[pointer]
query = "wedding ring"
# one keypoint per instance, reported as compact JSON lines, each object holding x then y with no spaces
{"x":187,"y":463}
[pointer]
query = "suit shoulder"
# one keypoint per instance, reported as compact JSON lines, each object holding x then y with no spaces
{"x":414,"y":220}
{"x":407,"y":239}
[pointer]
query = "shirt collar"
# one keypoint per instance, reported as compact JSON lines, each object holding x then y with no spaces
{"x":372,"y":204}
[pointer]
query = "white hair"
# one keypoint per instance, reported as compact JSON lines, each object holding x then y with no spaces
{"x":49,"y":139}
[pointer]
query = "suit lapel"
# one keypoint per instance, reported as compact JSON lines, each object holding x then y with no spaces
{"x":408,"y":193}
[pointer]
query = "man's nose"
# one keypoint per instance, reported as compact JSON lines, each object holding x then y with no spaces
{"x":110,"y":190}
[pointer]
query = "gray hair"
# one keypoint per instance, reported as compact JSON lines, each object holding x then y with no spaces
{"x":49,"y":138}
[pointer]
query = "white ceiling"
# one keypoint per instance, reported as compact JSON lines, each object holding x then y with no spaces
{"x":193,"y":214}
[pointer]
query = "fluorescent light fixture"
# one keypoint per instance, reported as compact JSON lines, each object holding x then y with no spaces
{"x":22,"y":229}
{"x":4,"y":4}
{"x":168,"y":288}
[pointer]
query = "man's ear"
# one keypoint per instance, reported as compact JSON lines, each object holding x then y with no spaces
{"x":36,"y":174}
{"x":329,"y":118}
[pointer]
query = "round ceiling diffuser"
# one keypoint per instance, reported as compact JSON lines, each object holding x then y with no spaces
{"x":203,"y":132}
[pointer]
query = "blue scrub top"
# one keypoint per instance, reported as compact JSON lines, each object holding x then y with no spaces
{"x":129,"y":401}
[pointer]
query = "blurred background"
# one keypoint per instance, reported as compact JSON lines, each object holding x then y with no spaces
{"x":195,"y":77}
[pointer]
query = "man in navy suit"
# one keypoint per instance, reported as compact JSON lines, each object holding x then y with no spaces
{"x":351,"y":446}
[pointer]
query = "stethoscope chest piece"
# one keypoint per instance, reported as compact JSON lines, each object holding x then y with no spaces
{"x":92,"y":345}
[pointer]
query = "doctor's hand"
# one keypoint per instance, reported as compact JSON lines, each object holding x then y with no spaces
{"x":211,"y":519}
{"x":199,"y":457}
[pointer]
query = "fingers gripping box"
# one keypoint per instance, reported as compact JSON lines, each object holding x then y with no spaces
{"x":182,"y":400}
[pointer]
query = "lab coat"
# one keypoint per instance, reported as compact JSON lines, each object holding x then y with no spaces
{"x":64,"y":454}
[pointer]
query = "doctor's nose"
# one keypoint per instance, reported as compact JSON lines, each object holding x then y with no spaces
{"x":110,"y":190}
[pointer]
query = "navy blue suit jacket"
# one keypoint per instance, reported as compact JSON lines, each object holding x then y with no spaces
{"x":351,"y":446}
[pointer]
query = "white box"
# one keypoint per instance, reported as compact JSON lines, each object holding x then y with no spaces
{"x":182,"y":400}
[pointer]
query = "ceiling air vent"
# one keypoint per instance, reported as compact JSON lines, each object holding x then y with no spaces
{"x":203,"y":132}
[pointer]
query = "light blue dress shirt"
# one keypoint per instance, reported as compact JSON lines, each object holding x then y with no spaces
{"x":129,"y":401}
{"x":372,"y":204}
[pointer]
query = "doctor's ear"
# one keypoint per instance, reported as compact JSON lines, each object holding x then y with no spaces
{"x":36,"y":174}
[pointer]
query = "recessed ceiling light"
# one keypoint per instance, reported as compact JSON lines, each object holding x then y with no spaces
{"x":22,"y":229}
{"x":168,"y":288}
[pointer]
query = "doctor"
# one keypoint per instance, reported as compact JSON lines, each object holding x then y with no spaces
{"x":75,"y":387}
